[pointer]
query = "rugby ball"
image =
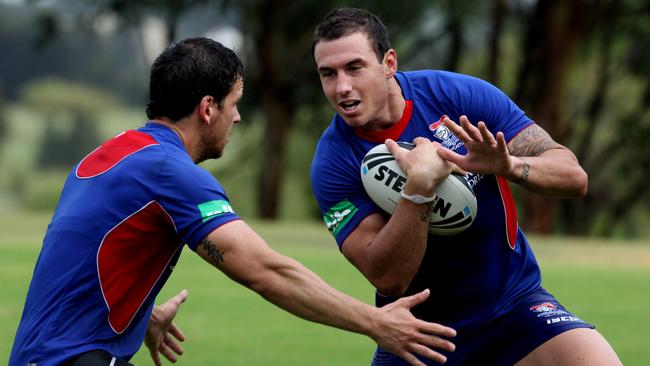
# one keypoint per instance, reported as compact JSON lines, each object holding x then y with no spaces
{"x":453,"y":211}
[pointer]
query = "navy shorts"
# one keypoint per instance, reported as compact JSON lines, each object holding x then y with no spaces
{"x":537,"y":318}
{"x":96,"y":358}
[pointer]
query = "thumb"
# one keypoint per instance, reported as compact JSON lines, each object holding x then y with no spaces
{"x":416,"y":299}
{"x":181,"y":297}
{"x":395,"y":149}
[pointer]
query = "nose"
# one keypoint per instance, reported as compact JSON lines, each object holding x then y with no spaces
{"x":343,"y":85}
{"x":237,"y":117}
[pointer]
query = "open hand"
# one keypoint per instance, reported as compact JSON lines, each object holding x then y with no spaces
{"x":403,"y":335}
{"x":163,"y":337}
{"x":486,"y":153}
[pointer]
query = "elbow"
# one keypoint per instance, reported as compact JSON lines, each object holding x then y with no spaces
{"x":390,"y":286}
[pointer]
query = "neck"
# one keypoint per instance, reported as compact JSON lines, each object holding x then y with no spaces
{"x":393,"y":111}
{"x":180,"y":128}
{"x":396,"y":101}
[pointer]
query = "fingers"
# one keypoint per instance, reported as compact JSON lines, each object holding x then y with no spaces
{"x":174,"y":345}
{"x":456,"y":169}
{"x":471,"y":131}
{"x":466,"y":132}
{"x":429,"y":353}
{"x":168,"y":353}
{"x":502,"y":146}
{"x":416,"y":299}
{"x":436,"y":329}
{"x":155,"y":357}
{"x":457,"y":130}
{"x":176,"y":332}
{"x":170,"y":349}
{"x":411,"y":359}
{"x":486,"y":135}
{"x":421,"y":140}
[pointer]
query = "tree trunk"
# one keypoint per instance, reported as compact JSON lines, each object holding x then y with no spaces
{"x":498,"y":12}
{"x":277,"y":111}
{"x":554,"y":31}
{"x":455,"y":29}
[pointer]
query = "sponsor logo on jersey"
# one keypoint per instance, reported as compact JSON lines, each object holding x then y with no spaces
{"x":546,"y":310}
{"x":211,"y":209}
{"x":473,"y":179}
{"x":339,"y":215}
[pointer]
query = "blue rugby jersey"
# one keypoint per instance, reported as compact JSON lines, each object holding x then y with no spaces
{"x":476,"y":275}
{"x":124,"y":213}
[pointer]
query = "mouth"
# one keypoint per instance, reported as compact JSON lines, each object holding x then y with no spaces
{"x":349,"y":105}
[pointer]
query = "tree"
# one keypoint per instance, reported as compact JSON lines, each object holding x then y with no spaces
{"x":555,"y":29}
{"x":70,"y":112}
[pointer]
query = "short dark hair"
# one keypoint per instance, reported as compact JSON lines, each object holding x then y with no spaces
{"x":344,"y":21}
{"x":187,"y":71}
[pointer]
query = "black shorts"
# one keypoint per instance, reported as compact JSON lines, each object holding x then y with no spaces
{"x":97,"y":358}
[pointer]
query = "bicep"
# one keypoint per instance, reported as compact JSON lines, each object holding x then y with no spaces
{"x":236,"y":250}
{"x":532,"y":141}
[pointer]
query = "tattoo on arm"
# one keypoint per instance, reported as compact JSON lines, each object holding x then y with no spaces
{"x":425,"y":214}
{"x":532,"y":141}
{"x":524,"y":173}
{"x":216,"y":256}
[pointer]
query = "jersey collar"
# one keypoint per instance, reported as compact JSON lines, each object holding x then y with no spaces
{"x":394,"y":132}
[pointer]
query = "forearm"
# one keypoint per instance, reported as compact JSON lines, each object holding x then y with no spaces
{"x":294,"y":288}
{"x":541,"y":165}
{"x":554,"y":173}
{"x":395,"y":254}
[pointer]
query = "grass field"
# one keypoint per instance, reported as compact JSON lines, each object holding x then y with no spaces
{"x":606,"y":283}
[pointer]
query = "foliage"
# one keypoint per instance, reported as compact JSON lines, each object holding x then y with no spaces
{"x":59,"y":96}
{"x":585,"y":77}
{"x":70,"y":112}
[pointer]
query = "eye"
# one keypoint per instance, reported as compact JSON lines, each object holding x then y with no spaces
{"x":353,"y":69}
{"x":326,"y":73}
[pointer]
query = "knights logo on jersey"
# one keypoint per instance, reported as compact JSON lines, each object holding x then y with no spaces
{"x":447,"y":138}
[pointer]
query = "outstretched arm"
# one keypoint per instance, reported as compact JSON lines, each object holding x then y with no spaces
{"x":531,"y":159}
{"x":243,"y":255}
{"x":163,"y":337}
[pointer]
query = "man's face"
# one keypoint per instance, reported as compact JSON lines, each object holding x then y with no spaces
{"x":353,"y":80}
{"x":222,"y":122}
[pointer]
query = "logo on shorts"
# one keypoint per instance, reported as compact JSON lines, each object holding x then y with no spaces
{"x":546,"y":310}
{"x":560,"y":319}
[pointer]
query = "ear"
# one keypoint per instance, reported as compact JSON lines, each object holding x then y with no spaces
{"x":390,"y":63}
{"x":207,"y":108}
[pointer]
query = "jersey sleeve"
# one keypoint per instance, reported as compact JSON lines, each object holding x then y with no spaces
{"x":481,"y":101}
{"x":336,"y":181}
{"x":195,"y":200}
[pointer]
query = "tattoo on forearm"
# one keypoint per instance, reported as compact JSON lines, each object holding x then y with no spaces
{"x":532,"y":141}
{"x":216,"y":256}
{"x":425,"y":214}
{"x":524,"y":173}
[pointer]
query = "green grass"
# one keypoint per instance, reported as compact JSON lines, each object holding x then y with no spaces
{"x":606,"y":283}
